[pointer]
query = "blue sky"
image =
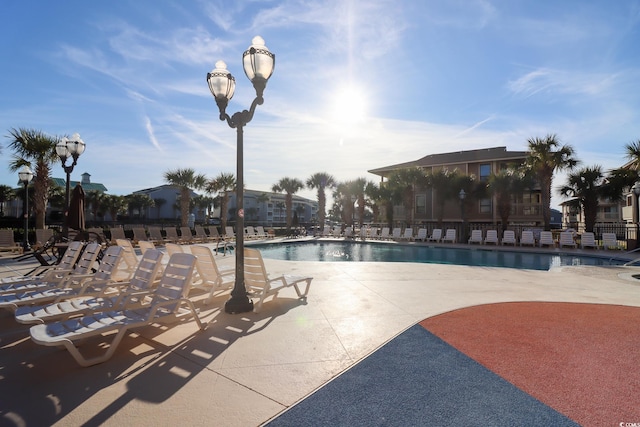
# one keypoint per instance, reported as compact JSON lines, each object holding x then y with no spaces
{"x":357,"y":84}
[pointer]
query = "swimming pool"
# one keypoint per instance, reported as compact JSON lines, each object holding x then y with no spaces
{"x":382,"y":252}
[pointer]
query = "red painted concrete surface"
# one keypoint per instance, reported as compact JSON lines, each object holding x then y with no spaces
{"x":583,"y":360}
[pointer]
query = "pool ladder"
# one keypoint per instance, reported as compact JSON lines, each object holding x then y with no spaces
{"x":632,"y":262}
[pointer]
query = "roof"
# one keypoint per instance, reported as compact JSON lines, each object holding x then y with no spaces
{"x":457,"y":157}
{"x":85,"y":186}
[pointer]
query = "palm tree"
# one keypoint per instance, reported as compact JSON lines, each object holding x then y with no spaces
{"x":6,"y":194}
{"x":138,"y":202}
{"x":545,"y":156}
{"x":633,"y":153}
{"x":358,"y":189}
{"x":503,"y":185}
{"x":33,"y":146}
{"x":407,"y":181}
{"x":290,"y":186}
{"x":94,"y":199}
{"x":343,"y":201}
{"x":585,"y":185}
{"x":222,"y":184}
{"x":443,"y":182}
{"x":159,"y":202}
{"x":185,"y":179}
{"x":374,"y":195}
{"x":321,"y":181}
{"x":114,"y":204}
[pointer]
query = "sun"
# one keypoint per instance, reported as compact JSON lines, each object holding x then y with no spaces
{"x":349,"y":105}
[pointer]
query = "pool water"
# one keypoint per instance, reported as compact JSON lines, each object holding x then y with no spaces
{"x":381,"y":252}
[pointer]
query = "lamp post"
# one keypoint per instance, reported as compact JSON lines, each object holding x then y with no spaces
{"x":258,"y":65}
{"x":25,"y":176}
{"x":636,"y":213}
{"x":462,"y":195}
{"x":69,"y":147}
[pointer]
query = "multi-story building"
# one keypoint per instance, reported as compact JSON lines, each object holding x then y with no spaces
{"x":167,"y":199}
{"x":269,"y":209}
{"x":526,"y":207}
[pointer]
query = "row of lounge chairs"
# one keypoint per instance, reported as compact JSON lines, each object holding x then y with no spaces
{"x":68,"y":304}
{"x":546,"y":239}
{"x":527,"y":237}
{"x":182,"y":235}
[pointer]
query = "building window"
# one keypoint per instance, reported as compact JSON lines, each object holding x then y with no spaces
{"x":485,"y":206}
{"x":421,"y":204}
{"x":531,"y":198}
{"x":485,"y":171}
{"x":610,"y":212}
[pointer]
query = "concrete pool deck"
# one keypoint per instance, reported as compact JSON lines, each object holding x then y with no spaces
{"x":245,"y":369}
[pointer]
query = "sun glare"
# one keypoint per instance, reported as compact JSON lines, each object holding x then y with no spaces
{"x":349,"y":106}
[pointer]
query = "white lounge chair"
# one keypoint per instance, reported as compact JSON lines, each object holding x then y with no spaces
{"x":261,"y":286}
{"x":209,"y":277}
{"x":155,"y":235}
{"x":166,"y":305}
{"x":71,"y":287}
{"x":132,"y":291}
{"x":384,"y":233}
{"x":372,"y":233}
{"x":260,"y":233}
{"x":422,"y":235}
{"x":546,"y":239}
{"x":37,"y":292}
{"x":509,"y":237}
{"x":250,"y":232}
{"x":476,"y":237}
{"x":129,"y":260}
{"x":566,"y":239}
{"x":407,"y":235}
{"x":174,"y":248}
{"x":491,"y":237}
{"x":364,"y":232}
{"x":49,"y":281}
{"x":45,"y":273}
{"x":199,"y":235}
{"x":186,"y":235}
{"x":171,"y":235}
{"x":139,"y":233}
{"x":396,"y":234}
{"x":588,"y":240}
{"x":348,"y":232}
{"x":7,"y":243}
{"x":610,"y":241}
{"x":116,"y":233}
{"x":450,"y":236}
{"x":145,"y":245}
{"x":42,"y":236}
{"x":527,"y":238}
{"x":436,"y":235}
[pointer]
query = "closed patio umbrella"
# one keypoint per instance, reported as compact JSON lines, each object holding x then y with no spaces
{"x":75,"y":217}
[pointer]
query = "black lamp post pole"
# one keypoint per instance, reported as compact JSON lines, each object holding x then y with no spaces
{"x":67,"y":170}
{"x":462,"y":196}
{"x":25,"y":239}
{"x":239,"y":301}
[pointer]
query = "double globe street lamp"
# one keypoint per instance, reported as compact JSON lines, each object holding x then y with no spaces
{"x":25,"y":176}
{"x":69,"y":148}
{"x":258,"y":65}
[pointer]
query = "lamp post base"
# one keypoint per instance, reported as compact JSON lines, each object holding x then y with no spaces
{"x":240,"y":304}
